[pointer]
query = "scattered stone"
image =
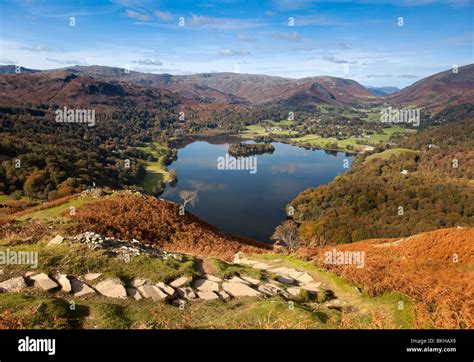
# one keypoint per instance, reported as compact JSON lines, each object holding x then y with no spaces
{"x":251,"y":280}
{"x":236,"y":279}
{"x":180,"y":282}
{"x":177,"y":257}
{"x":261,"y":266}
{"x":186,"y":293}
{"x":92,"y":276}
{"x":206,"y":285}
{"x":58,"y":239}
{"x":64,"y":282}
{"x":285,"y":280}
{"x":137,"y":282}
{"x":112,"y":288}
{"x":207,"y":295}
{"x":152,"y":291}
{"x":213,"y":278}
{"x":133,"y":293}
{"x":13,"y":285}
{"x":80,"y":289}
{"x":166,"y":288}
{"x":44,"y":282}
{"x":240,"y":290}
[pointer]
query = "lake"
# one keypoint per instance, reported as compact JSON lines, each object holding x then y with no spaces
{"x":249,"y":202}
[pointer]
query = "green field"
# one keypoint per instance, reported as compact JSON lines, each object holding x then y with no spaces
{"x":156,"y":170}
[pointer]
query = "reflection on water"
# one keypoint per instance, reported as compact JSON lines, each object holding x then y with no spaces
{"x":246,"y":204}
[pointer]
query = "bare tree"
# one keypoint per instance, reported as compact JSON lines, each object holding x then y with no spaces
{"x":287,"y":233}
{"x":190,"y":197}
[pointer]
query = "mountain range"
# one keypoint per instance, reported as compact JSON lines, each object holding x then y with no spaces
{"x":99,"y":84}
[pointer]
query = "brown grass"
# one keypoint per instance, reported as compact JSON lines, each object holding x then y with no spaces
{"x":423,"y":266}
{"x":159,"y":223}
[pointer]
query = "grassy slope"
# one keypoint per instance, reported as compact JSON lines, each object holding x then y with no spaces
{"x":156,"y":170}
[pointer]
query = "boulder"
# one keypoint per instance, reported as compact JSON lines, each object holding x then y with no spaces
{"x":80,"y":289}
{"x":207,"y":295}
{"x":92,"y":276}
{"x":186,"y":293}
{"x":285,"y":279}
{"x":166,"y":288}
{"x":133,"y":293}
{"x":206,"y":285}
{"x":13,"y":285}
{"x":112,"y":288}
{"x":152,"y":291}
{"x":251,"y":280}
{"x":180,"y":282}
{"x":58,"y":239}
{"x":240,"y":290}
{"x":64,"y":282}
{"x":44,"y":282}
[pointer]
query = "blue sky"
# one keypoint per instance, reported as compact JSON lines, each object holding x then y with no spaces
{"x":360,"y":40}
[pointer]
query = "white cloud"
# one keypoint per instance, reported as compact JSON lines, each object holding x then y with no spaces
{"x":233,"y":53}
{"x":136,"y":15}
{"x":163,"y":15}
{"x":293,"y":36}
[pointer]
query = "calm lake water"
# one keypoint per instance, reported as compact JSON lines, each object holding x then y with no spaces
{"x":242,"y":203}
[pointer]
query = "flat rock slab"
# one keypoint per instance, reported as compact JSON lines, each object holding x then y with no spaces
{"x":207,"y":295}
{"x":261,"y":266}
{"x":213,"y":278}
{"x":186,"y":293}
{"x":206,"y":285}
{"x":180,"y":282}
{"x":270,"y":289}
{"x":246,"y":262}
{"x":285,"y":279}
{"x":251,"y":280}
{"x":294,"y":291}
{"x":64,"y":282}
{"x":133,"y":293}
{"x":152,"y":291}
{"x":238,"y":280}
{"x":44,"y":282}
{"x":304,"y":278}
{"x":80,"y":289}
{"x":240,"y":290}
{"x":137,"y":282}
{"x":166,"y":288}
{"x":223,"y":295}
{"x":13,"y":285}
{"x":312,"y":287}
{"x":92,"y":276}
{"x":112,"y":288}
{"x":283,"y":271}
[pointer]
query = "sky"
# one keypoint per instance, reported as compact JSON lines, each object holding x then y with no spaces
{"x":375,"y":42}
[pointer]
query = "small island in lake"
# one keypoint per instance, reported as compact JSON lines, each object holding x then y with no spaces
{"x":248,"y":149}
